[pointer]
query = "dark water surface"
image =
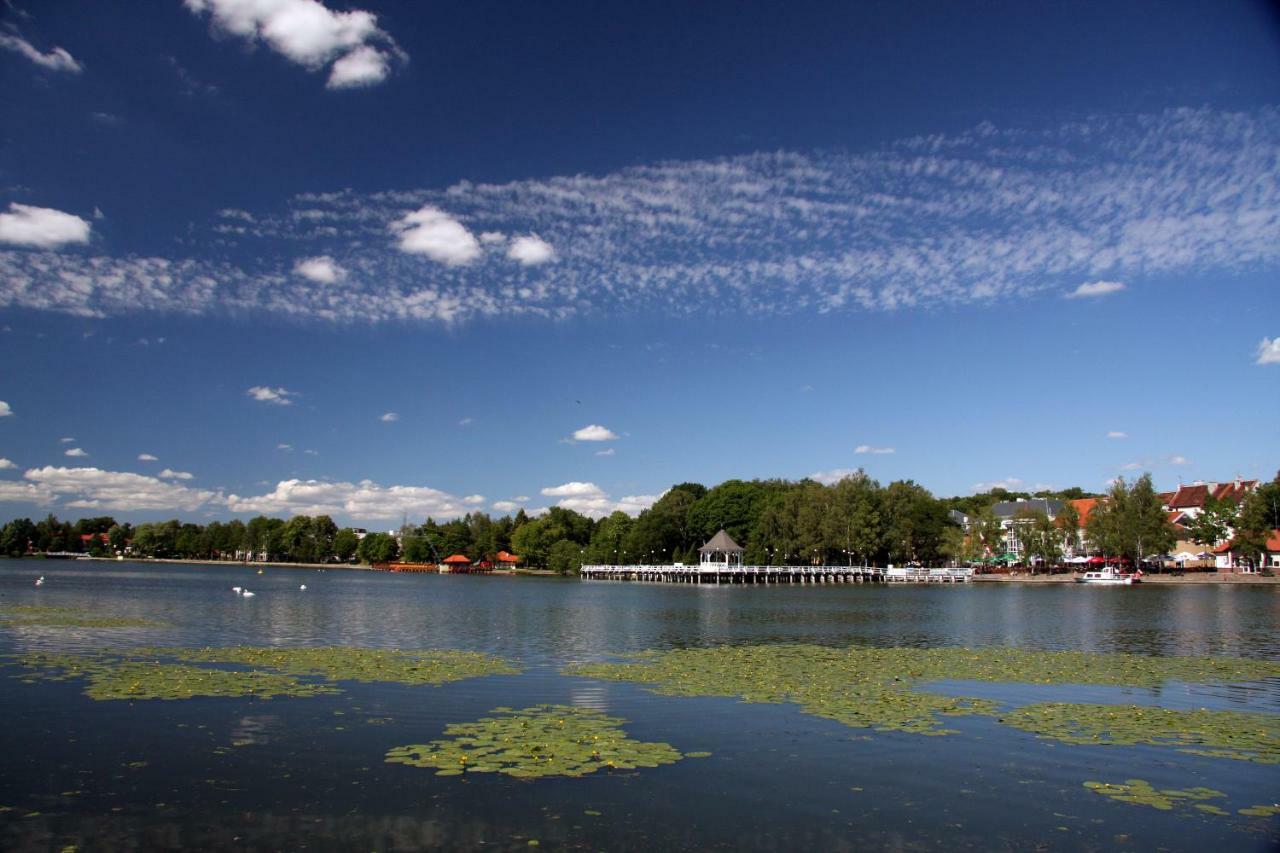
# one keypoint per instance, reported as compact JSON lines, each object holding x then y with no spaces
{"x":308,"y":773}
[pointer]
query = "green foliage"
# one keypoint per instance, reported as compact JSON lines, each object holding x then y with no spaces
{"x":1141,"y":793}
{"x":1259,"y":515}
{"x":1214,"y":522}
{"x":546,"y":740}
{"x":1131,"y":522}
{"x":378,"y":548}
{"x":874,"y":687}
{"x":565,"y":557}
{"x":345,"y":543}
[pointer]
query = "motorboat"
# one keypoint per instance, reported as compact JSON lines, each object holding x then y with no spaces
{"x":1109,"y":577}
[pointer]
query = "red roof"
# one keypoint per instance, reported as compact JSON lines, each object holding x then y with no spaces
{"x":1234,"y":491}
{"x":504,"y":557}
{"x":1188,"y":497}
{"x":1273,"y":544}
{"x":456,"y":559}
{"x":1084,"y":506}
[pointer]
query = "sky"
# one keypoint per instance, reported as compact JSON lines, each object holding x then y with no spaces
{"x":385,"y":260}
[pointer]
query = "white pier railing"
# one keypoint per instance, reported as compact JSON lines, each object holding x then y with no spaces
{"x":723,"y":574}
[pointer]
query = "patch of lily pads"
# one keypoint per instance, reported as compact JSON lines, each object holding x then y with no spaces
{"x":1217,"y":734}
{"x":868,"y":687}
{"x":66,"y":617}
{"x":1140,"y":792}
{"x":545,"y":740}
{"x":174,"y":673}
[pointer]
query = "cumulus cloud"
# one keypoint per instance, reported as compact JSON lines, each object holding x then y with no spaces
{"x":833,"y":475}
{"x":41,"y":227}
{"x":505,"y":506}
{"x":5,"y":411}
{"x":76,"y":451}
{"x":866,"y":448}
{"x":93,"y":488}
{"x":531,"y":250}
{"x":589,"y":499}
{"x":1115,"y":433}
{"x":389,"y":417}
{"x":147,"y":457}
{"x":363,"y":500}
{"x":1096,"y":288}
{"x":432,"y":232}
{"x":311,"y":35}
{"x":1268,"y":351}
{"x":474,"y":500}
{"x":170,"y":474}
{"x":5,"y":464}
{"x":594,"y":432}
{"x":322,"y":270}
{"x":275,"y":396}
{"x":56,"y":59}
{"x":985,"y":215}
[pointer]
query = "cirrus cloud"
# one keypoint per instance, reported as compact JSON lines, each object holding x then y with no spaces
{"x":1096,"y":288}
{"x":866,"y":448}
{"x":57,"y":59}
{"x":274,"y":396}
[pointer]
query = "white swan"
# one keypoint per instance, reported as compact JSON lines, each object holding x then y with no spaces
{"x":248,"y":594}
{"x":237,"y":590}
{"x":303,"y":587}
{"x":39,"y":581}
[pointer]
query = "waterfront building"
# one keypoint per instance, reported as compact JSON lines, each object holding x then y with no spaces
{"x":720,"y":550}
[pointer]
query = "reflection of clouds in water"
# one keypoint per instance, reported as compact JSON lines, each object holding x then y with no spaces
{"x":254,"y":730}
{"x":592,"y":696}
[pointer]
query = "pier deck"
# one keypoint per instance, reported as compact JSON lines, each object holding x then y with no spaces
{"x":719,"y":574}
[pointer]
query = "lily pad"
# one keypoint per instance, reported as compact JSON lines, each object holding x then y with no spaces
{"x":1140,"y":792}
{"x":545,"y":740}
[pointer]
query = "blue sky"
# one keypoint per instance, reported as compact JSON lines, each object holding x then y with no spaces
{"x":377,"y":259}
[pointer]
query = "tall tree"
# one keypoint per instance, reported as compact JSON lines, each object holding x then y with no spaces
{"x":1131,"y":522}
{"x":1259,"y":516}
{"x":1213,"y":524}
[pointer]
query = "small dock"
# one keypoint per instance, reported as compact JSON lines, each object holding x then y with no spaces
{"x":724,"y":574}
{"x":928,"y":575}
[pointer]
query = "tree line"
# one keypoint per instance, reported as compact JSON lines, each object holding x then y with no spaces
{"x":853,"y":521}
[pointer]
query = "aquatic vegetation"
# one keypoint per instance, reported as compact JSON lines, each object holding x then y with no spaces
{"x":66,"y":617}
{"x":1218,"y":734}
{"x":1261,"y":811}
{"x":174,"y":673}
{"x":1139,"y":792}
{"x":545,"y":740}
{"x":866,"y":687}
{"x":342,"y":663}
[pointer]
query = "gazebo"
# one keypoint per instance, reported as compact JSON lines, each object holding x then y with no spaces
{"x":457,"y":563}
{"x":720,"y":552}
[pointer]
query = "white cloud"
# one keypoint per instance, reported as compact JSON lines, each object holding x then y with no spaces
{"x":473,"y":500}
{"x":833,"y":475}
{"x":5,"y":411}
{"x":466,"y":422}
{"x":490,"y":238}
{"x":41,"y":227}
{"x":56,"y":59}
{"x":275,"y":396}
{"x":364,"y":66}
{"x":170,"y":474}
{"x":505,"y":506}
{"x":1115,"y":433}
{"x":66,"y":439}
{"x":608,"y":451}
{"x":5,"y":464}
{"x":594,"y":432}
{"x":432,"y":232}
{"x":147,"y":457}
{"x":531,"y":250}
{"x":307,"y":33}
{"x":524,"y":499}
{"x":1269,"y":351}
{"x":321,"y":270}
{"x":93,"y":488}
{"x":1012,"y":484}
{"x":283,"y":446}
{"x":363,"y":500}
{"x":1179,"y":460}
{"x":389,"y":417}
{"x":979,"y":216}
{"x":573,"y":490}
{"x":76,"y":451}
{"x":1096,"y":288}
{"x":866,"y":448}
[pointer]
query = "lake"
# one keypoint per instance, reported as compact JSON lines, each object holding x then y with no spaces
{"x":309,"y":772}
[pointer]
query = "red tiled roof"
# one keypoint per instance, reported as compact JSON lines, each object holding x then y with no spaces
{"x":1084,"y":506}
{"x":504,"y":557}
{"x":1273,"y":543}
{"x":1188,"y":497}
{"x":1234,"y":491}
{"x":457,"y":558}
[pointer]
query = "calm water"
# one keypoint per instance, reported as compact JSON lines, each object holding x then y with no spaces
{"x":308,"y":773}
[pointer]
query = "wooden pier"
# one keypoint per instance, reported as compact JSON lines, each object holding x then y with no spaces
{"x":722,"y":574}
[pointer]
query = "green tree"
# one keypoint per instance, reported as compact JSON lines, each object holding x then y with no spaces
{"x":378,"y":548}
{"x":345,"y":543}
{"x":1068,"y":524}
{"x":1259,"y":516}
{"x":608,"y":540}
{"x":565,"y":557}
{"x":17,"y":537}
{"x":1131,"y":522}
{"x":1041,"y":539}
{"x":1213,"y":524}
{"x":915,"y":523}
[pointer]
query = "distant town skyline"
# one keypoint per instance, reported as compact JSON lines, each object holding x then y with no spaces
{"x":377,"y":259}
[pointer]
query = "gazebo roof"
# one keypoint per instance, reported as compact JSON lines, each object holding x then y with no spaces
{"x":457,"y":558}
{"x":722,"y":543}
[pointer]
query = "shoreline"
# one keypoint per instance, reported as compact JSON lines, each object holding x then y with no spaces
{"x":1198,"y":578}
